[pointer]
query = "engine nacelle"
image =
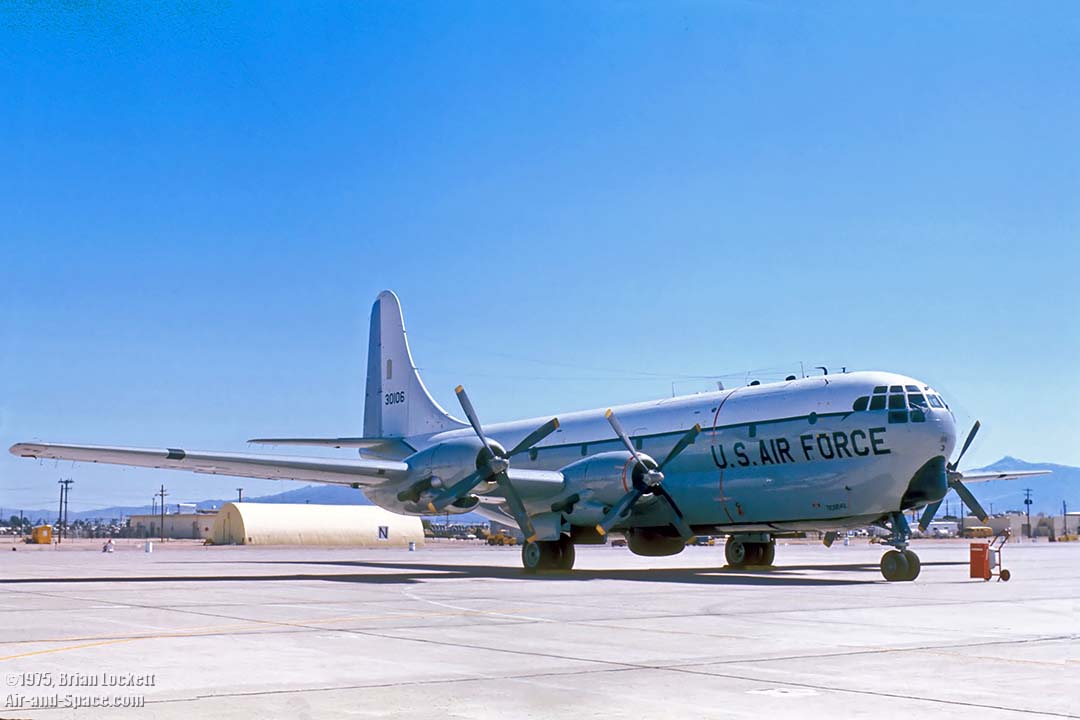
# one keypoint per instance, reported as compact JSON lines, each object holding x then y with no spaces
{"x":653,"y":542}
{"x":430,"y":470}
{"x":604,"y":477}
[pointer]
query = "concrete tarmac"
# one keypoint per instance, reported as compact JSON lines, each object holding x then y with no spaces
{"x":456,"y":631}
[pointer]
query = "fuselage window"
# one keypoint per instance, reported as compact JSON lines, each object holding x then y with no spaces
{"x":584,"y":450}
{"x":935,"y":401}
{"x":897,"y":402}
{"x":877,"y":402}
{"x":860,"y":404}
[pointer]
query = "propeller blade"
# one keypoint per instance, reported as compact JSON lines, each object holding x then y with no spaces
{"x":967,"y":443}
{"x":928,"y":515}
{"x":618,"y":428}
{"x":684,"y":442}
{"x":676,"y":514}
{"x":458,"y":489}
{"x":968,"y":498}
{"x":535,"y":436}
{"x":625,"y":504}
{"x":517,"y":507}
{"x":470,"y":412}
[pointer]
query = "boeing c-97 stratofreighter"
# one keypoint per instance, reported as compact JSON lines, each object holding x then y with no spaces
{"x":825,"y":453}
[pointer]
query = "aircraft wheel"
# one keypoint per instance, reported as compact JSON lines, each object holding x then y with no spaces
{"x":894,"y":566}
{"x":735,"y":552}
{"x":914,"y":565}
{"x":566,"y":553}
{"x":543,"y":555}
{"x":768,"y":552}
{"x":755,"y":553}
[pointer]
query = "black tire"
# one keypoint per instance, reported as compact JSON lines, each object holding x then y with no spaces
{"x":894,"y":566}
{"x":735,"y":552}
{"x":545,"y":555}
{"x":755,"y":552}
{"x":914,"y":565}
{"x":532,"y":557}
{"x":1004,"y":575}
{"x":566,"y":554}
{"x":768,"y":553}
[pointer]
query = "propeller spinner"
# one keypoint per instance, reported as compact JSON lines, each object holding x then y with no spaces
{"x":648,"y":482}
{"x":955,"y":480}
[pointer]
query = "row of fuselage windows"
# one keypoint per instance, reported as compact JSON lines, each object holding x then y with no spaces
{"x":904,"y":402}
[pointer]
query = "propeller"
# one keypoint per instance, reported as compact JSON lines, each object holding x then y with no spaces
{"x":494,"y":466}
{"x":648,"y":482}
{"x":955,"y":480}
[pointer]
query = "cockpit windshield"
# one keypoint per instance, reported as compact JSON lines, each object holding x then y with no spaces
{"x":905,"y":403}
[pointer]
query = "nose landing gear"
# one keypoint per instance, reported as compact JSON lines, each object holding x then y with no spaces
{"x":901,"y":564}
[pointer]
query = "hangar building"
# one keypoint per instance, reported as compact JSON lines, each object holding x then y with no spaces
{"x":283,"y":524}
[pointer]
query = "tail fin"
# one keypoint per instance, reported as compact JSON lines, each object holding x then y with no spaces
{"x":397,"y":404}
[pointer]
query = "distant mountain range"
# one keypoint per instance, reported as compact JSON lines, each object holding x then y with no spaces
{"x":1048,"y":491}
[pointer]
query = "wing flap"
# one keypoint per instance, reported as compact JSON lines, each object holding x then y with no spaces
{"x":394,"y":448}
{"x":363,"y":471}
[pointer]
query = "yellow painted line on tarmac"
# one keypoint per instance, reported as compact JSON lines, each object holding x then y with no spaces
{"x":67,"y":648}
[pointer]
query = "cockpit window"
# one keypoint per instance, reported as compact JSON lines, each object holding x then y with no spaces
{"x":916,"y":401}
{"x":896,"y":388}
{"x":935,"y":401}
{"x":877,"y":402}
{"x":896,"y":402}
{"x":911,"y":388}
{"x":860,"y":404}
{"x":880,"y":389}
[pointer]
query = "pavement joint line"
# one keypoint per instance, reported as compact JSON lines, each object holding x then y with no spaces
{"x":883,"y":650}
{"x":878,"y":693}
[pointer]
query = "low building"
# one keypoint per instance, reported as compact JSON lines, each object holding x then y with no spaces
{"x":282,"y":524}
{"x":179,"y":526}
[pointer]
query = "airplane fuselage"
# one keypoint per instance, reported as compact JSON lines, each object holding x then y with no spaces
{"x":782,"y":456}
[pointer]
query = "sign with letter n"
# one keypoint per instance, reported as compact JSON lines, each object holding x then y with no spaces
{"x":384,"y":532}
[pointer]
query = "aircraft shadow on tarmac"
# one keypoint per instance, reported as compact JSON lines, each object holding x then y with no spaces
{"x":398,"y":573}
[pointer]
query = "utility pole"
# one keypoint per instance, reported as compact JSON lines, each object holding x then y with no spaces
{"x":1027,"y":503}
{"x":67,"y":496}
{"x":162,"y":494}
{"x":60,"y":514}
{"x":239,"y":494}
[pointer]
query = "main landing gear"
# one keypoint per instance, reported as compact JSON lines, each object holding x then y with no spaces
{"x":739,"y":552}
{"x":548,"y":555}
{"x":900,"y":564}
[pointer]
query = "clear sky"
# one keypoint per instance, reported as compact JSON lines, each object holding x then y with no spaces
{"x":578,"y":203}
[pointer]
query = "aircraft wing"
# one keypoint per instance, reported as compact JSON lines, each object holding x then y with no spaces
{"x":1013,"y":475}
{"x":393,"y":448}
{"x":352,"y":472}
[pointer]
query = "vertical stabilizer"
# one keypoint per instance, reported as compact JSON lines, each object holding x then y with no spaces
{"x":396,"y":403}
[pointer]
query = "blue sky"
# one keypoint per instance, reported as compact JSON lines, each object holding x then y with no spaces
{"x":579,"y":204}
